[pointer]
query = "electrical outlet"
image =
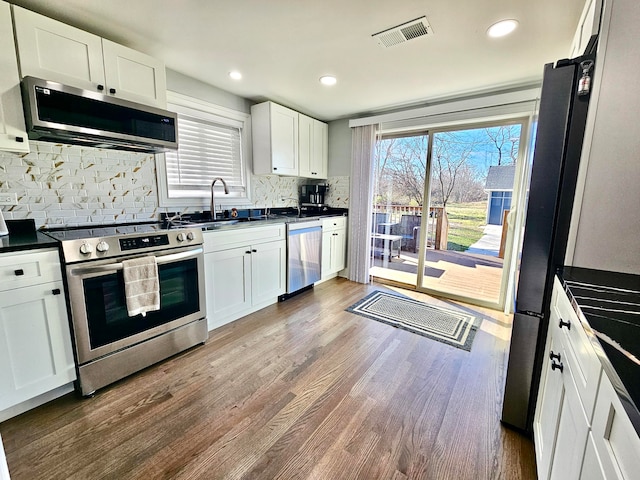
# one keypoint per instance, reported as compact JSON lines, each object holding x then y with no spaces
{"x":8,"y":198}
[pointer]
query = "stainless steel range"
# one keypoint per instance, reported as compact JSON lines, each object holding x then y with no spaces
{"x":110,"y":344}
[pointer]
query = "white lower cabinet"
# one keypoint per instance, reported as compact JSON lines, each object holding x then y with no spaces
{"x":615,"y":440}
{"x":334,"y":246}
{"x":35,"y":342}
{"x":581,"y":430}
{"x":592,"y":468}
{"x":245,"y":270}
{"x":4,"y":469}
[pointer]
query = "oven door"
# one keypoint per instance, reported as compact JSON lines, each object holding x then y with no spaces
{"x":99,"y":312}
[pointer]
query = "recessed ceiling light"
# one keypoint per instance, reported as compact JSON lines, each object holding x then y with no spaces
{"x":235,"y":75}
{"x":328,"y":80}
{"x":502,"y":28}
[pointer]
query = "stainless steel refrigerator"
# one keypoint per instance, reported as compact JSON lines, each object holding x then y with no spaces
{"x":558,"y":145}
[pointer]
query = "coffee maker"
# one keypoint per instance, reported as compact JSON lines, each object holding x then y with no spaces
{"x":313,"y":195}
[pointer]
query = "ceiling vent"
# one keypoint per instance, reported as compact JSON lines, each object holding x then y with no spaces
{"x":403,"y":33}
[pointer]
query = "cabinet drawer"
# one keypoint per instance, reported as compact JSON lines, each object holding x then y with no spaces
{"x":580,"y":356}
{"x":334,"y":223}
{"x":20,"y":269}
{"x":216,"y":241}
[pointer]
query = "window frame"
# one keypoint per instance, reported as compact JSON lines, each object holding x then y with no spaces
{"x":196,"y":108}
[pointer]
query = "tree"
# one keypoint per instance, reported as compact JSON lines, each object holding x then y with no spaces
{"x":401,"y":170}
{"x":506,"y":140}
{"x":451,"y":152}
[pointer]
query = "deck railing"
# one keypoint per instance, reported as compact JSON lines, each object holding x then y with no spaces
{"x":437,"y":221}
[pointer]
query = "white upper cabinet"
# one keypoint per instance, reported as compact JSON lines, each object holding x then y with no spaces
{"x":286,"y":142}
{"x":588,"y":25}
{"x":13,"y":135}
{"x":54,"y":51}
{"x":134,"y":75}
{"x":313,"y":137}
{"x":275,"y":139}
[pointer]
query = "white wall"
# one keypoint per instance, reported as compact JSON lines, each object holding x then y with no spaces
{"x":177,"y":82}
{"x":607,"y":232}
{"x":339,"y":148}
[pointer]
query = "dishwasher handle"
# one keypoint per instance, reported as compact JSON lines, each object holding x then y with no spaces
{"x":304,"y":225}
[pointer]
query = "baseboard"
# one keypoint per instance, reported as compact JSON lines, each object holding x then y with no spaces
{"x":27,"y":405}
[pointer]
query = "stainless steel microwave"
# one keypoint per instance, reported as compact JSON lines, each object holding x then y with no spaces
{"x":59,"y":113}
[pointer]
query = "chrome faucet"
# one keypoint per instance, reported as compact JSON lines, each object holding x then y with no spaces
{"x":213,"y":197}
{"x":297,"y":203}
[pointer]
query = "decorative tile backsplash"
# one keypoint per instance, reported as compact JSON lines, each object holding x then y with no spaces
{"x":59,"y":184}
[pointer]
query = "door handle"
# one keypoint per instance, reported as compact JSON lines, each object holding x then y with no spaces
{"x":565,"y":324}
{"x":557,"y":366}
{"x":56,"y":291}
{"x":554,"y":356}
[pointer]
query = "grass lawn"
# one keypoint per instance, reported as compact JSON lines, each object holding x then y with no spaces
{"x":466,"y":224}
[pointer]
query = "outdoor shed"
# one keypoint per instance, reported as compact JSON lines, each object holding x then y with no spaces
{"x":499,"y":188}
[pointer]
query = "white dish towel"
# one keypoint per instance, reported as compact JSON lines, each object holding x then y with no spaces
{"x":141,"y":285}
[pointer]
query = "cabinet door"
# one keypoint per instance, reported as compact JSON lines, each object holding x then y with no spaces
{"x":13,"y":135}
{"x":327,"y":248}
{"x":550,"y":398}
{"x":35,"y":343}
{"x":284,"y":140}
{"x":54,"y":51}
{"x":592,"y":466}
{"x":320,"y":157}
{"x":134,"y":76}
{"x":573,"y":429}
{"x":228,"y":284}
{"x":340,"y":248}
{"x":333,"y":251}
{"x":305,"y":146}
{"x":313,"y":147}
{"x":588,"y":25}
{"x":615,"y":438}
{"x":268,"y":271}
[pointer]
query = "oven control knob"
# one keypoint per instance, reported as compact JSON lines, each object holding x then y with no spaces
{"x":181,"y":237}
{"x":86,"y":249}
{"x":190,"y":236}
{"x":102,"y":246}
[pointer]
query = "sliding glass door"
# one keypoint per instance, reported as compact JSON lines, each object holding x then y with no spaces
{"x":442,"y":210}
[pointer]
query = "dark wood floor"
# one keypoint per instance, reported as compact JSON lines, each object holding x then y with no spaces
{"x":301,"y":389}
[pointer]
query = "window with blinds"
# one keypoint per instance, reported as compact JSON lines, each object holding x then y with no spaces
{"x":213,"y":141}
{"x":206,"y":150}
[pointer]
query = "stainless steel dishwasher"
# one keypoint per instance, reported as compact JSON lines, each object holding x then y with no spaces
{"x":304,"y":254}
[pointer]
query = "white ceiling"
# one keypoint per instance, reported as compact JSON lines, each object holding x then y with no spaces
{"x":282,"y":47}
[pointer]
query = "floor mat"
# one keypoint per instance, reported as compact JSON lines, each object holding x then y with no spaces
{"x":452,"y":327}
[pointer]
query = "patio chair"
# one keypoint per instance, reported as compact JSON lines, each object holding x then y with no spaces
{"x":409,"y":229}
{"x":378,"y":218}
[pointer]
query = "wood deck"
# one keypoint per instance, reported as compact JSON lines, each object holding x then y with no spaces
{"x":457,"y":273}
{"x":301,"y":389}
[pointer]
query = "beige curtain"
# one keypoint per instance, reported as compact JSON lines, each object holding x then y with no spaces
{"x":362,"y":162}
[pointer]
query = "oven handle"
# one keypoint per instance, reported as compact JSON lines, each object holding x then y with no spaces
{"x":114,"y":267}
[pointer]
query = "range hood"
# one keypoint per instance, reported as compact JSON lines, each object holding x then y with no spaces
{"x":63,"y":114}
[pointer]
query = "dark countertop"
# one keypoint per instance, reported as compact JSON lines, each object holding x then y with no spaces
{"x":608,"y":304}
{"x":26,"y":241}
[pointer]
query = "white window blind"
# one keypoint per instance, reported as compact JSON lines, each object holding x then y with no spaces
{"x":207,"y":149}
